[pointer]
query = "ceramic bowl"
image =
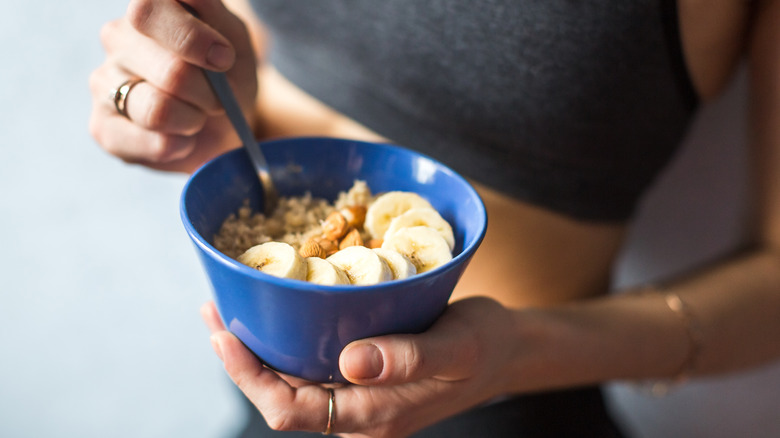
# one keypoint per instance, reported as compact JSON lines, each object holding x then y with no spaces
{"x":300,"y":328}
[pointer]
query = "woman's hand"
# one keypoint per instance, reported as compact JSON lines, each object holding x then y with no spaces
{"x":174,"y":121}
{"x":403,"y":383}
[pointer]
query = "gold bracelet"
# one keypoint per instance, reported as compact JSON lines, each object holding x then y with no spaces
{"x":692,"y":330}
{"x":693,"y":333}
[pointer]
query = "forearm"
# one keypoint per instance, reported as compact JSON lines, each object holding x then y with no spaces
{"x":281,"y":109}
{"x":636,"y":336}
{"x":284,"y":110}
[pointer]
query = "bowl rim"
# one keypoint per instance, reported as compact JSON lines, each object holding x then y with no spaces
{"x":305,"y":286}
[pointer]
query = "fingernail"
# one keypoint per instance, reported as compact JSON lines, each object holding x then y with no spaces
{"x":216,"y":346}
{"x":363,"y":362}
{"x":220,"y":56}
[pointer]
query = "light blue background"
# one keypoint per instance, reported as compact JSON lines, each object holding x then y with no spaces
{"x":99,"y":328}
{"x":100,"y":334}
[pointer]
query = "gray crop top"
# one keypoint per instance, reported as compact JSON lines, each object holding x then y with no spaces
{"x":572,"y":106}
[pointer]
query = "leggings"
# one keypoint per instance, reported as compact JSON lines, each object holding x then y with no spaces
{"x":579,"y":412}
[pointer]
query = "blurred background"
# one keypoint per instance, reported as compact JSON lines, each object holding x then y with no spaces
{"x":100,"y":334}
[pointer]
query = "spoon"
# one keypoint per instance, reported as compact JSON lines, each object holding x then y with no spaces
{"x":219,"y":83}
{"x":225,"y":95}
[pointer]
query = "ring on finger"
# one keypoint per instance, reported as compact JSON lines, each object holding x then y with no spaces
{"x":119,"y":95}
{"x":331,"y":412}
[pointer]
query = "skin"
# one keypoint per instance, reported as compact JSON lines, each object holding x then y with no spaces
{"x":513,"y":286}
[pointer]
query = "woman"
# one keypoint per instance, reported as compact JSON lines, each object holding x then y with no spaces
{"x":561,"y":114}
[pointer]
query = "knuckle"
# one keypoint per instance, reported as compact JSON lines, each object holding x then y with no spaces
{"x":107,"y":32}
{"x":158,"y":152}
{"x":175,"y":75}
{"x":281,"y":422}
{"x":414,"y":361}
{"x":159,"y":112}
{"x":185,"y":40}
{"x":139,"y":13}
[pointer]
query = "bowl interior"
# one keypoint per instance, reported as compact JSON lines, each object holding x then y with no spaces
{"x":324,"y":167}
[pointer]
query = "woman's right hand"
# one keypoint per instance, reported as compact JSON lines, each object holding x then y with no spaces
{"x":175,"y":121}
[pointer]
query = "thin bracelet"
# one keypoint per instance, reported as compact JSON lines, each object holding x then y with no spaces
{"x":693,"y":333}
{"x":692,"y":330}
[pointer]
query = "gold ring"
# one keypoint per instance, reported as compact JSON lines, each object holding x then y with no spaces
{"x":120,"y":95}
{"x":331,"y":412}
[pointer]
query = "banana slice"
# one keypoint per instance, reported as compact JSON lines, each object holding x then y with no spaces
{"x":422,"y":217}
{"x":321,"y":271}
{"x":424,"y":246}
{"x":401,"y":266}
{"x":275,"y":258}
{"x":362,"y":265}
{"x":389,"y":205}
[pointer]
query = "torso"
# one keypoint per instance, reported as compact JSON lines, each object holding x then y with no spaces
{"x":536,"y":256}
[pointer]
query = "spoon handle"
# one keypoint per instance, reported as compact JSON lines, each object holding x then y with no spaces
{"x":219,"y":83}
{"x":221,"y":87}
{"x":225,"y":95}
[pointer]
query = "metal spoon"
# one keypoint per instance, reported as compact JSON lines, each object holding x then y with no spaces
{"x":221,"y":86}
{"x":225,"y":94}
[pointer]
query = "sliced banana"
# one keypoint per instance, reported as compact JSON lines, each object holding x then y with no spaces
{"x":424,"y":246}
{"x":275,"y":258}
{"x":321,"y":271}
{"x":362,"y":265}
{"x":422,"y":217}
{"x":401,"y":266}
{"x":389,"y":205}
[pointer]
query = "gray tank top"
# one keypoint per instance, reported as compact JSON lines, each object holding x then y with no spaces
{"x":573,"y":106}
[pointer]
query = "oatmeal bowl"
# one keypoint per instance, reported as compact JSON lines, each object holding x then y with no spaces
{"x":367,"y":239}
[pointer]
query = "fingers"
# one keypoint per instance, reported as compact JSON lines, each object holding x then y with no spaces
{"x":453,"y":349}
{"x":284,"y":407}
{"x":399,"y":359}
{"x":175,"y":121}
{"x":151,"y":108}
{"x":162,"y":131}
{"x":210,"y":315}
{"x":181,"y":33}
{"x":135,"y":54}
{"x":130,"y":142}
{"x":370,"y":411}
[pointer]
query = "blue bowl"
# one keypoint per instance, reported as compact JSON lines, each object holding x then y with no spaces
{"x":300,"y":328}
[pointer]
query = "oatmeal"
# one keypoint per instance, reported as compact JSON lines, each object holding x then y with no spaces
{"x":359,"y":239}
{"x":294,"y":221}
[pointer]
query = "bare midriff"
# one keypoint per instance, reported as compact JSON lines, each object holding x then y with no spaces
{"x":531,"y":256}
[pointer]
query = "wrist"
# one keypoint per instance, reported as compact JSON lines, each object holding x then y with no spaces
{"x":630,"y":337}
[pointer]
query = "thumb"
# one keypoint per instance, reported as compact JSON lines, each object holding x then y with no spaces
{"x":446,"y":353}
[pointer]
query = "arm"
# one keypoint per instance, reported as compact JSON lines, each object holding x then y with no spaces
{"x":735,"y":302}
{"x":407,"y":382}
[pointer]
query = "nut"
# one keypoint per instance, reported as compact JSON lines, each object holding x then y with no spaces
{"x":329,"y":246}
{"x":355,"y":215}
{"x":334,"y":226}
{"x":351,"y":239}
{"x":374,"y":243}
{"x":311,"y":248}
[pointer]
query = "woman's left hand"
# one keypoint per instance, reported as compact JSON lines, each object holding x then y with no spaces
{"x":402,"y":383}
